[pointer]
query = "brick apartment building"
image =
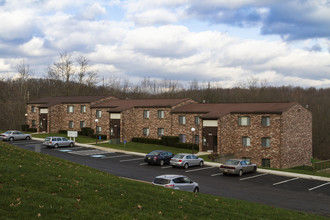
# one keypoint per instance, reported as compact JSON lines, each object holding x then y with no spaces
{"x":277,"y":135}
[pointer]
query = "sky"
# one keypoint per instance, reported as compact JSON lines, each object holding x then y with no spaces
{"x":279,"y":42}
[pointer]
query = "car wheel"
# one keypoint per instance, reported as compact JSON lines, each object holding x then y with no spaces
{"x":196,"y":190}
{"x":240,"y":172}
{"x":225,"y":174}
{"x":255,"y":169}
{"x":11,"y":139}
{"x":71,"y":145}
{"x":186,"y":165}
{"x":161,"y":162}
{"x":201,"y":163}
{"x":173,"y":166}
{"x":56,"y":146}
{"x":28,"y":138}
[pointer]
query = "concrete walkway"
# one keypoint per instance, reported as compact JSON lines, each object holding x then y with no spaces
{"x":212,"y":164}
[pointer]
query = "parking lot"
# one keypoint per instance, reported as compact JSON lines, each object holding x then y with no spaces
{"x":282,"y":191}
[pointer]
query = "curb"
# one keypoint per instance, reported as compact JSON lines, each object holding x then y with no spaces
{"x":212,"y":164}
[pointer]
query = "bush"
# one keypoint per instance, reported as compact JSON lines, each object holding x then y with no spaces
{"x":24,"y":127}
{"x":32,"y":129}
{"x":87,"y":131}
{"x":63,"y":131}
{"x":147,"y":140}
{"x":170,"y":140}
{"x":187,"y":146}
{"x":103,"y":136}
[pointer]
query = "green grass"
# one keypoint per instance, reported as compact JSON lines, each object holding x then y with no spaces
{"x":145,"y":148}
{"x":34,"y":185}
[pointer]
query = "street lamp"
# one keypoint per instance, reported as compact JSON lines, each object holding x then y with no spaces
{"x":192,"y":139}
{"x":96,"y":120}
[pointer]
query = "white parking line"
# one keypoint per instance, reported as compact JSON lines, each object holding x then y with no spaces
{"x":166,"y":167}
{"x":131,"y":159}
{"x":318,"y":186}
{"x":251,"y":177}
{"x":217,"y":174}
{"x":141,"y":164}
{"x":126,"y":155}
{"x":204,"y":168}
{"x":285,"y":181}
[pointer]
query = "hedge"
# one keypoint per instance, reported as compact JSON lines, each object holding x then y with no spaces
{"x":187,"y":146}
{"x":146,"y":140}
{"x":103,"y":136}
{"x":170,"y":140}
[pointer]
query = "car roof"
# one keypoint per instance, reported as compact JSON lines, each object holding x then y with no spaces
{"x":184,"y":154}
{"x":55,"y":137}
{"x":170,"y":176}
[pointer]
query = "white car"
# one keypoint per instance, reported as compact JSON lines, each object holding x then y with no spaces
{"x":14,"y":135}
{"x":176,"y":182}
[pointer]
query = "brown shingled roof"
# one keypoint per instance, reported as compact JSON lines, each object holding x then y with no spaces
{"x":121,"y":105}
{"x":50,"y":101}
{"x":216,"y":110}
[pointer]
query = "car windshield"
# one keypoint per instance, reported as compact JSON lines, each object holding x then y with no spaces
{"x":47,"y":139}
{"x":161,"y":181}
{"x":8,"y":132}
{"x":232,"y":162}
{"x":179,"y":156}
{"x":154,"y":153}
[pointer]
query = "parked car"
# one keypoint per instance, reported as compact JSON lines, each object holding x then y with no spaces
{"x":14,"y":135}
{"x":176,"y":182}
{"x":158,"y":157}
{"x":186,"y":160}
{"x":237,"y":166}
{"x":58,"y":142}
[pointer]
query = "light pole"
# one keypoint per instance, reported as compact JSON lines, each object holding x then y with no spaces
{"x":96,"y":120}
{"x":192,"y":139}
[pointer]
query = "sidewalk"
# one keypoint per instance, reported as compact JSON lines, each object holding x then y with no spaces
{"x":212,"y":164}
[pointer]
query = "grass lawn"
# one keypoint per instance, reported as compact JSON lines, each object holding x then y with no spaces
{"x":79,"y":139}
{"x":34,"y":185}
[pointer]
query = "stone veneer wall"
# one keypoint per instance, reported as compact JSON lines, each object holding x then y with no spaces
{"x":185,"y":129}
{"x":230,"y":138}
{"x":297,"y":137}
{"x":32,"y":115}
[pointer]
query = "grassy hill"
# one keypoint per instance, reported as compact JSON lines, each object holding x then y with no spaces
{"x":34,"y":185}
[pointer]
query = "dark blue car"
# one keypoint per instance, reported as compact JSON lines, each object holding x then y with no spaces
{"x":158,"y":157}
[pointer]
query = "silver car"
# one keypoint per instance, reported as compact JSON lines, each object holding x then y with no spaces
{"x":176,"y":182}
{"x":58,"y":142}
{"x":186,"y":160}
{"x":14,"y":135}
{"x":238,"y":167}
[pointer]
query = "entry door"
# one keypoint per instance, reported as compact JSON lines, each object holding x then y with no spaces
{"x":115,"y":128}
{"x":43,"y":122}
{"x":210,"y":139}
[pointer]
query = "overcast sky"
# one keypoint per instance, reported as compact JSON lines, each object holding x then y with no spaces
{"x":285,"y":42}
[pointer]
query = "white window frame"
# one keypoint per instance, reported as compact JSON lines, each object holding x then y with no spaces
{"x":71,"y":124}
{"x":161,"y":114}
{"x":34,"y":123}
{"x":83,"y":109}
{"x":265,"y":121}
{"x":70,"y":109}
{"x":98,"y":129}
{"x":197,"y":120}
{"x":160,"y":132}
{"x":82,"y":124}
{"x":182,"y":119}
{"x":246,"y":141}
{"x":98,"y":113}
{"x":182,"y":138}
{"x":265,"y":141}
{"x":244,"y":120}
{"x":33,"y":109}
{"x":146,"y":131}
{"x":146,"y":114}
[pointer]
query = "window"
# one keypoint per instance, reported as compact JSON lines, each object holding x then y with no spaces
{"x":182,"y":120}
{"x":265,"y":121}
{"x":82,"y":124}
{"x":247,"y":158}
{"x":160,"y":131}
{"x":265,"y":162}
{"x":197,"y":139}
{"x":146,"y":114}
{"x":246,"y":141}
{"x":146,"y":131}
{"x":70,"y":109}
{"x":265,"y":141}
{"x":71,"y":124}
{"x":161,"y":114}
{"x":243,"y":120}
{"x":98,"y":113}
{"x":197,"y":120}
{"x":98,"y":129}
{"x":34,"y":123}
{"x":182,"y":138}
{"x":83,"y":108}
{"x":33,"y":109}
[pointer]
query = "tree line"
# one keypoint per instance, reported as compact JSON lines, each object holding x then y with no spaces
{"x":68,"y":78}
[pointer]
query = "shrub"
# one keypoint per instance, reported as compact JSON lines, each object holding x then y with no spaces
{"x":147,"y":140}
{"x":170,"y":140}
{"x":24,"y":127}
{"x":187,"y":146}
{"x":63,"y":131}
{"x":103,"y":136}
{"x":32,"y":129}
{"x":87,"y":131}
